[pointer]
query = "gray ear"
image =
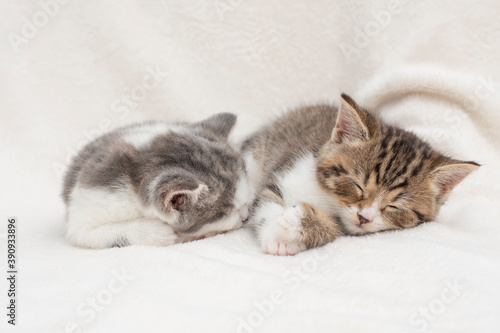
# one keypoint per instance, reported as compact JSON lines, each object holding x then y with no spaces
{"x":179,"y":190}
{"x":181,"y":198}
{"x":220,"y":124}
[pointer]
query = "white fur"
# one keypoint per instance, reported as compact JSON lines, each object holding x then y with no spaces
{"x":245,"y":192}
{"x":280,"y":228}
{"x":244,"y":212}
{"x":281,"y":231}
{"x":243,"y":197}
{"x":140,"y":137}
{"x":369,"y":213}
{"x":300,"y":185}
{"x":229,"y":222}
{"x":253,"y":168}
{"x":98,"y":218}
{"x":349,"y":218}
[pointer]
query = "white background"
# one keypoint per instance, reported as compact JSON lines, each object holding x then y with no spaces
{"x":428,"y":66}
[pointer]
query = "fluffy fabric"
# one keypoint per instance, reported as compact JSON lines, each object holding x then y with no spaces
{"x":88,"y":66}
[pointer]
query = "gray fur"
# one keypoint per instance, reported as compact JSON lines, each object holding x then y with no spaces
{"x":277,"y":146}
{"x":200,"y":154}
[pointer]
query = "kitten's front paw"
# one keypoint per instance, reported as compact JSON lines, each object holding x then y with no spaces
{"x":152,"y":233}
{"x":163,"y":237}
{"x":283,"y":236}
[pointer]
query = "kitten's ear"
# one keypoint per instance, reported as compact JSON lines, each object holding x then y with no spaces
{"x":220,"y":124}
{"x":349,"y":126}
{"x":181,"y":196}
{"x":446,"y":177}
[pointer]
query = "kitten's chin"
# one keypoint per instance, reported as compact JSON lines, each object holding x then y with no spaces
{"x":350,"y":226}
{"x":355,"y":229}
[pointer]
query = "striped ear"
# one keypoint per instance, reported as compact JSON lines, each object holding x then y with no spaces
{"x":448,"y":176}
{"x":349,"y":127}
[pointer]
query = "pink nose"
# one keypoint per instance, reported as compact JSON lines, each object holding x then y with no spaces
{"x":362,"y":219}
{"x":367,"y":215}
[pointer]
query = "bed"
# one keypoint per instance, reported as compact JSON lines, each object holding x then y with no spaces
{"x":70,"y":70}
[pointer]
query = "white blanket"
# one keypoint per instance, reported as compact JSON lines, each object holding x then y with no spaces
{"x":70,"y":70}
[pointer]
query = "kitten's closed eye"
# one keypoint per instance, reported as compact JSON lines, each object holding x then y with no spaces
{"x":359,"y":190}
{"x":397,"y":216}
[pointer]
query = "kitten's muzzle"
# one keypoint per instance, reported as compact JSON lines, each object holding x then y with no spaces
{"x":362,"y":219}
{"x":243,"y":211}
{"x":367,"y":214}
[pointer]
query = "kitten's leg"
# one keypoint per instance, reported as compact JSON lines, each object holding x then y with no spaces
{"x":270,"y":233}
{"x":318,"y":228}
{"x":292,"y":230}
{"x":143,"y":231}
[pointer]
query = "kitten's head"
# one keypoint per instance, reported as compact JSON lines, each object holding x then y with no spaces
{"x":384,"y":177}
{"x":207,"y":191}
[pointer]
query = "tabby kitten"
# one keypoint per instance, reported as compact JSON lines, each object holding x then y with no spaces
{"x":321,"y":173}
{"x":156,"y":184}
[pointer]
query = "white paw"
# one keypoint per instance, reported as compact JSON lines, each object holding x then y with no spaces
{"x":152,"y":233}
{"x":283,"y":234}
{"x":163,"y":237}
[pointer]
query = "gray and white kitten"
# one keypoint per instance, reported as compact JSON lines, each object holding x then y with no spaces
{"x":157,"y":184}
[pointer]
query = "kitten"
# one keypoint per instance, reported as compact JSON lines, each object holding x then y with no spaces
{"x":156,"y":184}
{"x":321,"y":173}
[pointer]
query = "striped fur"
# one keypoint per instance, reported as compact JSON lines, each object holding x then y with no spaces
{"x":370,"y":177}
